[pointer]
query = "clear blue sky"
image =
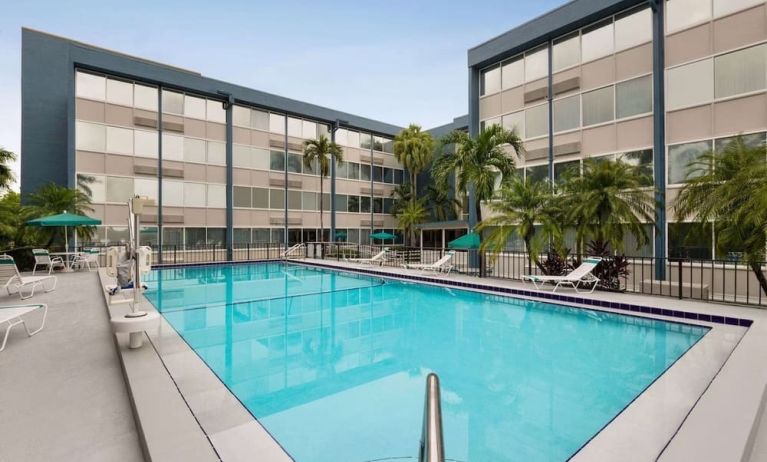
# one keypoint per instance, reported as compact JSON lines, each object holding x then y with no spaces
{"x":395,"y":61}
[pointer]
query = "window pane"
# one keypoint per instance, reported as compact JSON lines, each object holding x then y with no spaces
{"x":241,"y":116}
{"x":277,"y":123}
{"x":567,"y":52}
{"x":260,"y":198}
{"x":241,"y":236}
{"x":754,"y":140}
{"x":96,"y":185}
{"x":365,"y":204}
{"x":341,"y":202}
{"x":216,"y":236}
{"x":145,"y":187}
{"x":310,"y":201}
{"x":354,"y":171}
{"x":309,"y":129}
{"x":567,"y":113}
{"x":364,"y":172}
{"x":119,"y":92}
{"x":145,"y":97}
{"x":598,"y":106}
{"x":537,"y":121}
{"x":388,"y":175}
{"x":597,"y":41}
{"x":119,"y":189}
{"x":260,"y":235}
{"x":563,"y":170}
{"x":353,"y":204}
{"x":366,"y":141}
{"x":378,"y":174}
{"x":725,"y":7}
{"x":643,"y":161}
{"x":172,"y":193}
{"x":515,"y":122}
{"x":91,"y":86}
{"x":690,"y":85}
{"x":740,"y":72}
{"x":145,"y":143}
{"x":215,"y":111}
{"x":536,"y":64}
{"x":398,"y":176}
{"x":342,"y":169}
{"x":485,"y":124}
{"x":689,"y":240}
{"x":241,"y":156}
{"x":684,"y":13}
{"x":634,"y":97}
{"x":294,"y":200}
{"x":353,"y":139}
{"x":216,"y":195}
{"x":242,"y":196}
{"x":378,"y":143}
{"x":90,"y":137}
{"x":259,"y":120}
{"x":632,"y":29}
{"x":172,"y":102}
{"x":342,"y":137}
{"x":294,"y":126}
{"x":277,"y":161}
{"x":117,"y":233}
{"x":119,"y":140}
{"x":295,"y":163}
{"x":172,"y":147}
{"x":172,"y":236}
{"x":216,"y":153}
{"x":513,"y":73}
{"x":538,"y":173}
{"x":378,"y":205}
{"x":194,"y":236}
{"x":194,"y":150}
{"x":194,"y":107}
{"x":490,"y":80}
{"x":679,"y":158}
{"x":276,"y":199}
{"x":194,"y":195}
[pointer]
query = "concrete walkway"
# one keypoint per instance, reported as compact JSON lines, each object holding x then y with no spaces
{"x":62,"y":393}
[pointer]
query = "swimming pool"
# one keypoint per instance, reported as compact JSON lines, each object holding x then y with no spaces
{"x":333,"y":364}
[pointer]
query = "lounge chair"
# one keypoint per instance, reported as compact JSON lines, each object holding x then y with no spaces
{"x":87,"y":258}
{"x":10,"y":278}
{"x":43,"y":258}
{"x":442,"y":265}
{"x":378,"y":258}
{"x":574,"y":278}
{"x":11,"y":316}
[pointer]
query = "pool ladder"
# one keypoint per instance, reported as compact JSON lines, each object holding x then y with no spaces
{"x":432,"y":448}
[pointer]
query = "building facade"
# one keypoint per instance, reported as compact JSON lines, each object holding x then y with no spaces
{"x":223,"y":163}
{"x":654,"y":83}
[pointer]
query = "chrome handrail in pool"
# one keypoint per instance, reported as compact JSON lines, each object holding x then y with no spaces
{"x":432,"y":448}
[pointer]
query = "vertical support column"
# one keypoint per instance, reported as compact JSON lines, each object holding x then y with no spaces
{"x":550,"y":84}
{"x":473,"y":131}
{"x":333,"y":130}
{"x":659,"y":136}
{"x":285,"y":190}
{"x":159,"y":174}
{"x":228,"y":106}
{"x":372,"y":165}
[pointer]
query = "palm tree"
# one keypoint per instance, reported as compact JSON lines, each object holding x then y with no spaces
{"x":411,"y":215}
{"x":729,"y":187}
{"x":442,"y":204}
{"x":10,"y":219}
{"x":606,"y":201}
{"x":413,"y":149}
{"x":6,"y":174}
{"x":322,"y":151}
{"x":477,"y":162}
{"x":522,"y":206}
{"x":52,"y":199}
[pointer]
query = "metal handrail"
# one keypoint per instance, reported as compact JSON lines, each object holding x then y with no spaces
{"x":432,"y":447}
{"x":290,"y":251}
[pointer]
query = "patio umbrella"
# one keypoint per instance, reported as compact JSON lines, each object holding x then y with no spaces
{"x":66,"y":220}
{"x":467,"y":241}
{"x":340,"y":235}
{"x":383,"y":236}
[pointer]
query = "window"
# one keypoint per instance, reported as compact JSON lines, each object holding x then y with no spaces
{"x":567,"y":113}
{"x":276,"y":199}
{"x":490,"y":80}
{"x":216,"y":236}
{"x":145,"y":187}
{"x":690,"y":85}
{"x":353,"y":204}
{"x":194,"y":236}
{"x":172,"y":102}
{"x":353,"y":171}
{"x":145,"y":143}
{"x":216,"y":195}
{"x":353,"y":138}
{"x":634,"y":97}
{"x":378,"y":174}
{"x":515,"y":122}
{"x":513,"y":73}
{"x":398,"y":176}
{"x":148,"y":235}
{"x":216,"y":153}
{"x":172,"y":236}
{"x":689,"y":240}
{"x":242,"y":196}
{"x":740,"y":72}
{"x":725,"y":7}
{"x":538,"y":173}
{"x":563,"y":170}
{"x":537,"y":121}
{"x":680,"y":157}
{"x":259,"y":120}
{"x":91,"y":86}
{"x":387,"y":205}
{"x":241,"y":156}
{"x":295,"y":163}
{"x":366,"y":141}
{"x":342,"y":169}
{"x":388,"y":145}
{"x":96,"y":185}
{"x":90,"y":137}
{"x":117,"y":233}
{"x":172,"y":147}
{"x":754,"y":140}
{"x":277,"y":161}
{"x":119,"y":189}
{"x":241,"y":116}
{"x":277,"y":123}
{"x":260,"y":235}
{"x":365,"y":204}
{"x":388,"y":175}
{"x":215,"y":111}
{"x":294,"y":126}
{"x":377,"y":205}
{"x":378,"y":143}
{"x":119,"y":92}
{"x":260,"y":198}
{"x":341,"y":202}
{"x":172,"y":193}
{"x":241,"y":236}
{"x":633,"y":28}
{"x":485,"y":124}
{"x":643,"y":162}
{"x":598,"y":106}
{"x":597,"y":40}
{"x":536,"y":64}
{"x":364,"y":172}
{"x":194,"y":107}
{"x":194,"y":195}
{"x":145,"y":97}
{"x":308,"y":129}
{"x":342,"y":137}
{"x":294,"y":200}
{"x":194,"y":150}
{"x":681,"y":14}
{"x":119,"y":140}
{"x":567,"y":52}
{"x":310,"y":201}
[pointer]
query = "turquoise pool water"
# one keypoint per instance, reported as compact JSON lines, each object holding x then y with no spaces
{"x":333,"y":364}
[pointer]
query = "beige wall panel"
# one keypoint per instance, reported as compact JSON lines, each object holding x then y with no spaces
{"x":740,"y":115}
{"x":535,"y":145}
{"x":145,"y":114}
{"x":241,"y":135}
{"x":259,"y":218}
{"x":389,"y":221}
{"x":118,"y":115}
{"x":194,"y":172}
{"x":512,"y":100}
{"x":276,"y":176}
{"x":599,"y":140}
{"x":688,"y":45}
{"x":490,"y":106}
{"x":119,"y":165}
{"x":740,"y":29}
{"x":241,"y":176}
{"x":348,"y":220}
{"x":312,"y":183}
{"x":566,"y":75}
{"x":572,"y":137}
{"x":312,"y":219}
{"x":91,"y":111}
{"x":352,"y":154}
{"x":216,"y":174}
{"x":390,"y":161}
{"x":259,"y":178}
{"x":194,"y":217}
{"x":174,"y":164}
{"x":194,"y":128}
{"x":535,"y":85}
{"x":347,"y":187}
{"x":259,"y":138}
{"x":634,"y":62}
{"x":634,"y":134}
{"x":688,"y":124}
{"x":216,"y":217}
{"x":241,"y":218}
{"x":598,"y":73}
{"x":215,"y":131}
{"x":90,"y":162}
{"x":115,"y":215}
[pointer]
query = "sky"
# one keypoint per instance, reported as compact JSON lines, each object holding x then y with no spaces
{"x":395,"y":61}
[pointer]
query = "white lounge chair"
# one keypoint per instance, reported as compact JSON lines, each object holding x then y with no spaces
{"x":378,"y":258}
{"x":43,"y":258}
{"x":10,"y":278}
{"x":442,"y":265}
{"x":11,"y":316}
{"x":87,"y":258}
{"x":574,"y":278}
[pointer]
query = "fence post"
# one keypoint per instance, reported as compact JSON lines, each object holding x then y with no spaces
{"x":680,"y":277}
{"x":248,"y":247}
{"x":174,"y":253}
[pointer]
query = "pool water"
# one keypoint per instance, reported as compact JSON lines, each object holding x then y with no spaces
{"x":333,"y":364}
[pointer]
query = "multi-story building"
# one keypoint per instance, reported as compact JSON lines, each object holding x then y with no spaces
{"x":223,"y":163}
{"x":655,"y":83}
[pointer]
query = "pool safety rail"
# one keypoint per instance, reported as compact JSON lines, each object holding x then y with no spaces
{"x":295,"y":251}
{"x":432,"y":448}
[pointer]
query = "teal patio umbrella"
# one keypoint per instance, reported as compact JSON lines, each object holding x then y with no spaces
{"x":340,"y":235}
{"x":66,"y":220}
{"x":467,"y":241}
{"x":383,"y":236}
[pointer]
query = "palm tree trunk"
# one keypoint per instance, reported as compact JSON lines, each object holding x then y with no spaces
{"x":322,"y":208}
{"x":756,"y":267}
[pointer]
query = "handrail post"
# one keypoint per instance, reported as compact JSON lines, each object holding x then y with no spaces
{"x":432,"y":448}
{"x":680,"y":278}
